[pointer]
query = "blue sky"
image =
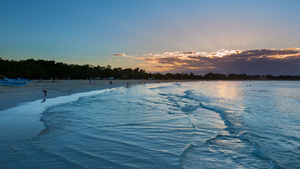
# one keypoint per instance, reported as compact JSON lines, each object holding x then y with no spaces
{"x":90,"y":32}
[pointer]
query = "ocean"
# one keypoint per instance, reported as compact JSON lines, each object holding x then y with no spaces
{"x":204,"y":124}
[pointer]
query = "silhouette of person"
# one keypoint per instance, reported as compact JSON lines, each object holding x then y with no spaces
{"x":45,"y":92}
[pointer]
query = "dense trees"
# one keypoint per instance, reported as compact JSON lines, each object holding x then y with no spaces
{"x":43,"y":69}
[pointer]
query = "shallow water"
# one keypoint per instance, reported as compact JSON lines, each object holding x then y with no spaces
{"x":213,"y":124}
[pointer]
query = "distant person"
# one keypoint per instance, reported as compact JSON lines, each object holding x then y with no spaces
{"x":95,"y":81}
{"x":45,"y":92}
{"x":110,"y":82}
{"x":90,"y":81}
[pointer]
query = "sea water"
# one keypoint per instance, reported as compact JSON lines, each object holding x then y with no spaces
{"x":206,"y":124}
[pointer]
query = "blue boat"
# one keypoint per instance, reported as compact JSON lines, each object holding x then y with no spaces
{"x":19,"y":80}
{"x":10,"y":83}
{"x":12,"y":80}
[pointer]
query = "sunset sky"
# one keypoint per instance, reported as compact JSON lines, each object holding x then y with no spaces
{"x":221,"y":36}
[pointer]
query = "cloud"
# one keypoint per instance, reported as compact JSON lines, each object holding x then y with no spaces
{"x":123,"y":55}
{"x":120,"y":54}
{"x":258,"y":61}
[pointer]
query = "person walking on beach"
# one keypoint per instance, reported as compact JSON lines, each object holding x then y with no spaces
{"x":110,"y":82}
{"x":45,"y":92}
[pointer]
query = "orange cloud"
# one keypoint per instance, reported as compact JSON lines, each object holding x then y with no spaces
{"x":259,"y":61}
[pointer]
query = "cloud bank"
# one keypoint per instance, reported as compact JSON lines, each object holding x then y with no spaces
{"x":259,"y":61}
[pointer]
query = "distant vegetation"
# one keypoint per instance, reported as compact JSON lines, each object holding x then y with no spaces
{"x":43,"y":69}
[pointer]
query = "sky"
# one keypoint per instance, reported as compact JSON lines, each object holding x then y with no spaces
{"x":199,"y":36}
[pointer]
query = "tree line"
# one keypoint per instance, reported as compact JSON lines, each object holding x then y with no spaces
{"x":45,"y":69}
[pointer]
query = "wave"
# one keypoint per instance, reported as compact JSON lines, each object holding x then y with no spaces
{"x":160,"y":87}
{"x":183,"y":154}
{"x":257,"y":150}
{"x":199,"y":97}
{"x":236,"y":129}
{"x":203,"y":102}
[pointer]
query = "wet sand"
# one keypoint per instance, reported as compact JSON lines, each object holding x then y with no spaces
{"x":14,"y":96}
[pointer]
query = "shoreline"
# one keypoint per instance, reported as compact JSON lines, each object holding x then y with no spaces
{"x":22,"y":107}
{"x":15,"y":96}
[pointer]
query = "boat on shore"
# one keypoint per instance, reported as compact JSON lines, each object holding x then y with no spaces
{"x":18,"y":80}
{"x":14,"y":80}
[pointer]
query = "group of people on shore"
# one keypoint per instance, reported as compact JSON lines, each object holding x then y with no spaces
{"x":91,"y":81}
{"x":110,"y":82}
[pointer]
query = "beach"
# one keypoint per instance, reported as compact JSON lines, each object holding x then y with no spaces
{"x":14,"y":96}
{"x":21,"y":107}
{"x":204,"y":124}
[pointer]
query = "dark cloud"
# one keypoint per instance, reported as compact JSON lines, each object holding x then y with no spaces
{"x":119,"y":54}
{"x":262,"y":61}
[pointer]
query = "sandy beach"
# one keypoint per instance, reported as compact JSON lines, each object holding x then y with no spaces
{"x":14,"y":96}
{"x":21,"y":107}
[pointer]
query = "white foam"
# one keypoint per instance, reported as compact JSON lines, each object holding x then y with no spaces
{"x":23,"y":121}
